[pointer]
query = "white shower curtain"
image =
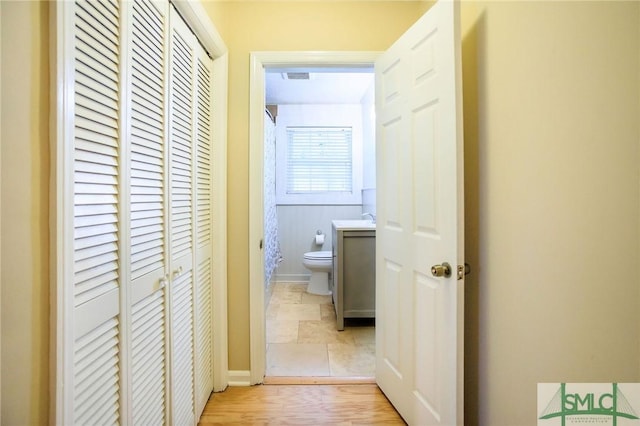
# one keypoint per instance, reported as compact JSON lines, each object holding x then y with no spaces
{"x":272,"y":255}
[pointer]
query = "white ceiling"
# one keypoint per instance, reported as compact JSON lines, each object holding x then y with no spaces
{"x":322,"y":87}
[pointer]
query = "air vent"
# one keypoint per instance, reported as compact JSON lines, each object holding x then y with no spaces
{"x":296,"y":76}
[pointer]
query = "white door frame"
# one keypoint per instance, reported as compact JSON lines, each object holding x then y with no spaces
{"x":257,"y":286}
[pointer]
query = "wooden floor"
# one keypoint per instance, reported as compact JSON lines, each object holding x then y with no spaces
{"x":360,"y":404}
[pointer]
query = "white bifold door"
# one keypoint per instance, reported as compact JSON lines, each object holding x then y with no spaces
{"x":190,"y":221}
{"x":134,"y":246}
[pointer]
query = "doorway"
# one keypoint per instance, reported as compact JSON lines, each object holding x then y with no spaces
{"x":321,"y":169}
{"x":421,"y":215}
{"x":261,"y":63}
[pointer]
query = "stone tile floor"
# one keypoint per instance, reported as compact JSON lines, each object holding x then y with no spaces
{"x":302,"y":339}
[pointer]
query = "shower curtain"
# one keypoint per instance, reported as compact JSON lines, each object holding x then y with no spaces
{"x":272,"y":255}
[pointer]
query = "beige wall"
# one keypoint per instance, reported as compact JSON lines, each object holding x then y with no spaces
{"x":552,"y":136}
{"x":265,"y":26}
{"x":25,"y":255}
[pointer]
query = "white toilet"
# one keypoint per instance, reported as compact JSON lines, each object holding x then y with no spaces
{"x":320,"y":264}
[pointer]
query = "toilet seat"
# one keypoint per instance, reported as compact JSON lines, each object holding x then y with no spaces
{"x":318,"y":255}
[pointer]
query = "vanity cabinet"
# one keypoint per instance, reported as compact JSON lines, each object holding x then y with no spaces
{"x":354,"y":268}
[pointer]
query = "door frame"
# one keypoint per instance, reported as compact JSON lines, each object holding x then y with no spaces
{"x":259,"y":62}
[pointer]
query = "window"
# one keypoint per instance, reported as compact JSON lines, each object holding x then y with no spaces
{"x":319,"y":160}
{"x":319,"y":155}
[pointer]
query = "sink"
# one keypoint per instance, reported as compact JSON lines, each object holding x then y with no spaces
{"x":354,"y":224}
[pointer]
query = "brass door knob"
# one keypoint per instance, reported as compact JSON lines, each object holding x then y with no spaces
{"x":443,"y":270}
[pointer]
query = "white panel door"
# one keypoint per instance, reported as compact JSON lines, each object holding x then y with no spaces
{"x":419,"y":317}
{"x":182,"y":215}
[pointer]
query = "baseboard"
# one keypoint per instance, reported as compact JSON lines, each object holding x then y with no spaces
{"x":239,"y":378}
{"x":291,"y":278}
{"x":275,"y":380}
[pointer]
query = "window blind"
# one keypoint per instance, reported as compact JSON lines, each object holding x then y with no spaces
{"x":319,"y":159}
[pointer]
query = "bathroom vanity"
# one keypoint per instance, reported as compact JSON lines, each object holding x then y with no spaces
{"x":354,"y":269}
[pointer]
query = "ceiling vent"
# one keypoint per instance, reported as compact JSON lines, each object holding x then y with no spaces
{"x":296,"y":76}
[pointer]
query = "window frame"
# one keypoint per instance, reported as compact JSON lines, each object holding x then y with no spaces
{"x":348,"y":115}
{"x":309,"y":145}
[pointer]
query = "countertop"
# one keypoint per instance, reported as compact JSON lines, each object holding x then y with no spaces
{"x":354,"y":225}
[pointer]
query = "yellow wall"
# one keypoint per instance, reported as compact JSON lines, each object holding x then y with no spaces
{"x":25,"y":189}
{"x":266,"y":26}
{"x":552,"y":136}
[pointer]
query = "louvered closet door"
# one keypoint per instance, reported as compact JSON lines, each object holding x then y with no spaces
{"x":134,"y":182}
{"x":148,"y":213}
{"x":182,"y":215}
{"x":203,"y":302}
{"x":96,"y":246}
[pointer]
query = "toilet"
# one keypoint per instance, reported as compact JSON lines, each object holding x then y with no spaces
{"x":320,"y":264}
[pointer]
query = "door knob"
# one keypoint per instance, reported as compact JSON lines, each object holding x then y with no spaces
{"x":163,"y":281}
{"x":177,"y":272}
{"x":443,"y":270}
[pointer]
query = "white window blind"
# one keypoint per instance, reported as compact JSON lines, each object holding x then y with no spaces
{"x":319,"y":160}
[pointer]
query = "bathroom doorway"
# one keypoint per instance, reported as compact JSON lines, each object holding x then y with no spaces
{"x":301,"y":338}
{"x":421,"y":141}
